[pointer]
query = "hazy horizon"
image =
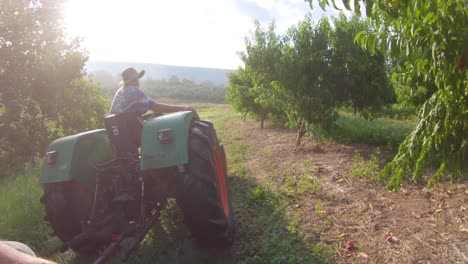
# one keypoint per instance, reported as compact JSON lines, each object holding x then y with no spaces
{"x":151,"y":63}
{"x":157,"y":71}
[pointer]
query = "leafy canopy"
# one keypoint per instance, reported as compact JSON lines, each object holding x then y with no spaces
{"x":305,"y":82}
{"x":361,"y":78}
{"x":44,"y":93}
{"x":306,"y":74}
{"x":432,"y":37}
{"x":263,"y":48}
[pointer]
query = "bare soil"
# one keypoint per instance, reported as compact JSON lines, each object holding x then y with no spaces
{"x":426,"y":226}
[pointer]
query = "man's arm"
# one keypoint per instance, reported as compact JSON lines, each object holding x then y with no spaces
{"x":167,"y":108}
{"x":10,"y":255}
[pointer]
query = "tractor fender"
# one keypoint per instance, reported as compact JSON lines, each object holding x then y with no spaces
{"x":164,"y":141}
{"x":76,"y":157}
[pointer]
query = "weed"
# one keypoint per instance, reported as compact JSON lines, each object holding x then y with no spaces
{"x":325,"y":251}
{"x":314,"y":184}
{"x":298,"y":183}
{"x":293,"y":226}
{"x":365,"y":169}
{"x":308,"y":163}
{"x":258,"y":193}
{"x":318,"y":207}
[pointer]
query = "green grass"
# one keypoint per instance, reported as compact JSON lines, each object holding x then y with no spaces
{"x":318,"y":207}
{"x":218,"y":115}
{"x":365,"y":169}
{"x":398,"y":111}
{"x":379,"y":132}
{"x":266,"y":232}
{"x":21,"y":217}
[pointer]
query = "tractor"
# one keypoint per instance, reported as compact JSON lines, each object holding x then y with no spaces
{"x":108,"y":185}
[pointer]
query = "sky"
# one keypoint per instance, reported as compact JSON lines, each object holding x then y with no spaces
{"x":202,"y":33}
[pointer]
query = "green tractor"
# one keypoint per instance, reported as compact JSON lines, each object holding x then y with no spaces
{"x":107,"y":185}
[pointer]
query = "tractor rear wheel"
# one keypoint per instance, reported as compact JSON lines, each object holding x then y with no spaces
{"x":67,"y":207}
{"x":203,"y":194}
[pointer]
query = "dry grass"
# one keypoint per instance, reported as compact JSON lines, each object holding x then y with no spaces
{"x":429,"y":226}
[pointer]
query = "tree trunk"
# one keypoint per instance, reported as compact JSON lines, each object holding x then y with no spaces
{"x":355,"y":110}
{"x":300,"y":133}
{"x":263,"y":117}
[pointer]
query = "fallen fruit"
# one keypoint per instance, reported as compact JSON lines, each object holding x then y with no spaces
{"x":350,"y":245}
{"x":389,"y":239}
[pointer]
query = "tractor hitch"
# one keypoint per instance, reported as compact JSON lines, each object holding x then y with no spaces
{"x":138,"y":232}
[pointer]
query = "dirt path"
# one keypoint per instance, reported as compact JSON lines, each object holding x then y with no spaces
{"x":427,"y":226}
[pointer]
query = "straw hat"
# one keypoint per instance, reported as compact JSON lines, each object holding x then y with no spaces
{"x":129,"y":75}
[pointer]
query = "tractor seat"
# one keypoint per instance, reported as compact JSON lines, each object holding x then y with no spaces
{"x":124,"y":131}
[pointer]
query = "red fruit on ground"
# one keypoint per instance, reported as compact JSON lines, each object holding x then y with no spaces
{"x":389,"y":238}
{"x":350,"y":245}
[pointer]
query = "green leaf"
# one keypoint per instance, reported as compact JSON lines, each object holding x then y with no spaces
{"x":346,"y":4}
{"x":394,"y":48}
{"x":322,"y":3}
{"x":372,"y":42}
{"x":334,"y":5}
{"x":358,"y":36}
{"x":429,"y":17}
{"x":357,"y":7}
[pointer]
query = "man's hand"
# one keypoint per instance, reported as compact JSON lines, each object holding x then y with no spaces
{"x":189,"y":108}
{"x":167,"y":108}
{"x":10,"y":255}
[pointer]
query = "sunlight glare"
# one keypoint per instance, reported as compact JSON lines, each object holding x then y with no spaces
{"x":189,"y":33}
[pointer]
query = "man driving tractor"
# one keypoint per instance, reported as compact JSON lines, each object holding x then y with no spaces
{"x":129,"y":98}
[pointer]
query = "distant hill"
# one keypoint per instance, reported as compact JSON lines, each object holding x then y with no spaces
{"x":158,"y":71}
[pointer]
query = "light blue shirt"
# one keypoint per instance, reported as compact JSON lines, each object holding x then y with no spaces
{"x":131,"y":99}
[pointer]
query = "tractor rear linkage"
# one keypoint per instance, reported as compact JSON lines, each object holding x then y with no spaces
{"x":138,"y":237}
{"x":136,"y":230}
